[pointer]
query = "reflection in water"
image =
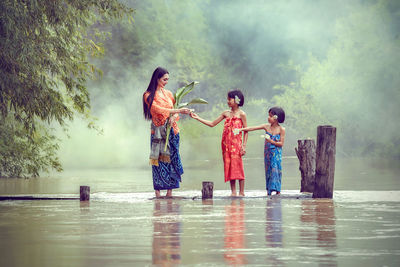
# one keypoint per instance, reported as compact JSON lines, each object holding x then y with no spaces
{"x":321,"y":212}
{"x":167,"y":231}
{"x":273,"y":229}
{"x":207,"y":203}
{"x":234,"y":239}
{"x":84,"y":205}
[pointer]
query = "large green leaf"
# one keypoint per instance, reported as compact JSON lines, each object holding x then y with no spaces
{"x":181,"y":92}
{"x":193,"y":101}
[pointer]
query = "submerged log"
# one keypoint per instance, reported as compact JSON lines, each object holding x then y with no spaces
{"x":306,"y":155}
{"x":325,"y":162}
{"x":207,"y":191}
{"x":36,"y":197}
{"x":84,"y":193}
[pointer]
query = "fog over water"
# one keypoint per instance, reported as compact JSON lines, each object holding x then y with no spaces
{"x":309,"y":48}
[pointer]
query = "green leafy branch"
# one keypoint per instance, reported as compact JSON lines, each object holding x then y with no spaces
{"x":178,"y":95}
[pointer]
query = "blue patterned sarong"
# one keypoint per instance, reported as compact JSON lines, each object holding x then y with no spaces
{"x":273,"y":168}
{"x":168,"y":175}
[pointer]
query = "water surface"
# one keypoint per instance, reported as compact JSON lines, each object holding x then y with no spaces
{"x":123,"y":225}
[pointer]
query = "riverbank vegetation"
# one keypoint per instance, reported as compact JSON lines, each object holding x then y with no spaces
{"x":326,"y":62}
{"x":45,"y":47}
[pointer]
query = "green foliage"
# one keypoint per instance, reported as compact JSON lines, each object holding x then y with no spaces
{"x":338,"y":71}
{"x":45,"y":48}
{"x":355,"y":87}
{"x":351,"y":74}
{"x":22,"y":154}
{"x":173,"y":34}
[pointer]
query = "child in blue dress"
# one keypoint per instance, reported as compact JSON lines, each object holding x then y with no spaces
{"x":274,"y":140}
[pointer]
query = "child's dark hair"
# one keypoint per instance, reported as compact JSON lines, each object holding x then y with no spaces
{"x":239,"y":94}
{"x":278,"y":111}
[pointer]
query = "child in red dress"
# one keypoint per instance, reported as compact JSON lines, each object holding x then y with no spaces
{"x":233,"y":148}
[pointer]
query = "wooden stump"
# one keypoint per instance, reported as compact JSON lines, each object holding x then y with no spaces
{"x":306,"y":154}
{"x":84,"y":193}
{"x":207,"y":191}
{"x":325,"y":162}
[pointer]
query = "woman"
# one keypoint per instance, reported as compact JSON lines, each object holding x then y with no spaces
{"x":158,"y":106}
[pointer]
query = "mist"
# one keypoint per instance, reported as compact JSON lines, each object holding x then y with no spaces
{"x":275,"y":51}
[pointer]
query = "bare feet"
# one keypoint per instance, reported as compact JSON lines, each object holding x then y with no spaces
{"x":233,"y":194}
{"x":157,"y":192}
{"x":241,"y":194}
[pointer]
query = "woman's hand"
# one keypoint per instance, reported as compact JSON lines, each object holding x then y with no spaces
{"x":172,"y":119}
{"x":184,"y":111}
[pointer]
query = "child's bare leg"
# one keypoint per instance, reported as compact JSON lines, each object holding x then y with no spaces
{"x":241,"y":188}
{"x":169,"y":193}
{"x":233,"y":187}
{"x":157,"y":192}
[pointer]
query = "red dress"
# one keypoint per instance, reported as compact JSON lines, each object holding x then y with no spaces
{"x":231,"y":145}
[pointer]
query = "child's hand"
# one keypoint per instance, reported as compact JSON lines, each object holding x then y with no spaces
{"x":268,"y":138}
{"x":236,"y":131}
{"x":242,"y":151}
{"x":194,"y":115}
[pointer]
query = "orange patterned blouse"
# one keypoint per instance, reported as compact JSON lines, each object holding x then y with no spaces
{"x":159,"y":110}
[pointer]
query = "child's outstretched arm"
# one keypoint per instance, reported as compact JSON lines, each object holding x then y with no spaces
{"x":206,"y":122}
{"x":254,"y":128}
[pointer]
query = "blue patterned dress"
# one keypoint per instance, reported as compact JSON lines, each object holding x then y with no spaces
{"x":272,"y":161}
{"x":168,"y":175}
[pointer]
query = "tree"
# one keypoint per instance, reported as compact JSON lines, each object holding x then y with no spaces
{"x":21,"y":156}
{"x":44,"y":59}
{"x":354,"y":88}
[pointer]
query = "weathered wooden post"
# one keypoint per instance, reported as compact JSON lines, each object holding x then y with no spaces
{"x":84,"y":193}
{"x":306,"y":154}
{"x":325,"y":162}
{"x":207,"y":191}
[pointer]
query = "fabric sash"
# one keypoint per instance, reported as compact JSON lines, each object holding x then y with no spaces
{"x":157,"y":152}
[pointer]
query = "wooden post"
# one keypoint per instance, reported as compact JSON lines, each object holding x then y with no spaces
{"x":325,"y":162}
{"x":306,"y":154}
{"x":84,"y":193}
{"x":207,"y":191}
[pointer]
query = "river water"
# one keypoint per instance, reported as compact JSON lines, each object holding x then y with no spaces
{"x":122,"y":225}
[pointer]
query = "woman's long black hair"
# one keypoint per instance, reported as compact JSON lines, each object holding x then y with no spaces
{"x":157,"y":74}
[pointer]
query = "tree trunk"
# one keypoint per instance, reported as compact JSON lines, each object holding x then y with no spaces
{"x":306,"y":154}
{"x":325,"y":162}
